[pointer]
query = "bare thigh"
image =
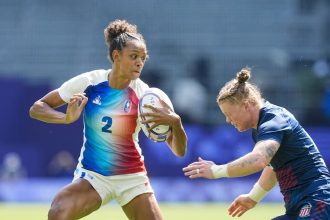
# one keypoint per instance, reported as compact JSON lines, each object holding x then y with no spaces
{"x":143,"y":207}
{"x":74,"y":201}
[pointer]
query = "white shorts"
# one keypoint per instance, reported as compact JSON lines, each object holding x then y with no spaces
{"x":122,"y":188}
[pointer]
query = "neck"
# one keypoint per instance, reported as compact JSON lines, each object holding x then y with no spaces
{"x":256,"y":113}
{"x":116,"y":81}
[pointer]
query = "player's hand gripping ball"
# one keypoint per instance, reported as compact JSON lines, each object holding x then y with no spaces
{"x":152,"y":97}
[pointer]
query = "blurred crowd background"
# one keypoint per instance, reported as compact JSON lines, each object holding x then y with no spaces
{"x":194,"y":46}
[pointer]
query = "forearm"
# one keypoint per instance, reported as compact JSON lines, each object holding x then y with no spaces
{"x":265,"y":183}
{"x":243,"y":166}
{"x":178,"y":139}
{"x":267,"y":179}
{"x":246,"y":165}
{"x":43,"y":112}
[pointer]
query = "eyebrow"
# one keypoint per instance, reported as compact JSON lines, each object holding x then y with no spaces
{"x":137,"y":51}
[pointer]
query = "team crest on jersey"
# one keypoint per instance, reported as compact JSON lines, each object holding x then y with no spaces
{"x":97,"y":100}
{"x":127,"y":106}
{"x":305,"y":210}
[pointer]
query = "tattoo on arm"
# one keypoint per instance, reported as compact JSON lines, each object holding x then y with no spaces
{"x":269,"y":148}
{"x":248,"y":161}
{"x":245,"y":161}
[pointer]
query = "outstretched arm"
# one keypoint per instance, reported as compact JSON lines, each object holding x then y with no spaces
{"x":248,"y":201}
{"x":255,"y":161}
{"x":250,"y":163}
{"x":44,"y":108}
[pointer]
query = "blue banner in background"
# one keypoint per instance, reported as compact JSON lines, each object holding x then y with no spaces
{"x":54,"y":153}
{"x":166,"y":189}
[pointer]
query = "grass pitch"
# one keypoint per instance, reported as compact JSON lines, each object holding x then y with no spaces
{"x":171,"y":211}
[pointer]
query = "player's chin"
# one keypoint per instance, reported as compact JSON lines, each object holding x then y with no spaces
{"x":135,"y":75}
{"x":240,"y":129}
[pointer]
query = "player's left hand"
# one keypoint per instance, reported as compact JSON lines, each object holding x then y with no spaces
{"x":199,"y":169}
{"x":240,"y":205}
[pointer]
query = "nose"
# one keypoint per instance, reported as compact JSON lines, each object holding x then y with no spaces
{"x":139,"y":62}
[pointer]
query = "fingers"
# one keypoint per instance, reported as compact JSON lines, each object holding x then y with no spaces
{"x":154,"y":113}
{"x":238,"y":207}
{"x":79,"y":97}
{"x":154,"y":109}
{"x":232,"y":207}
{"x":164,"y":104}
{"x":83,"y":103}
{"x":157,"y":109}
{"x":155,"y":117}
{"x":238,"y":211}
{"x":196,"y":163}
{"x":193,"y":172}
{"x":77,"y":103}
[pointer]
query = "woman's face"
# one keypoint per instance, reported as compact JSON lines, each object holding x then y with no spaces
{"x":131,"y":59}
{"x":239,"y":115}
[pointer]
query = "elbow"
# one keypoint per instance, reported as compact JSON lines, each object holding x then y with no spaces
{"x":183,"y":149}
{"x":32,"y":111}
{"x":182,"y":152}
{"x":261,"y":162}
{"x":261,"y":165}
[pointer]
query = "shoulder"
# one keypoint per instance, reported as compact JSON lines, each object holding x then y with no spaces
{"x":274,"y":118}
{"x":138,"y":87}
{"x":79,"y":83}
{"x":95,"y":76}
{"x":90,"y":77}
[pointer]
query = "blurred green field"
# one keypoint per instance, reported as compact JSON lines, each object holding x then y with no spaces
{"x":171,"y":211}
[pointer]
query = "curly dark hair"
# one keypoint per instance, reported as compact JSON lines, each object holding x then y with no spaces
{"x":118,"y":33}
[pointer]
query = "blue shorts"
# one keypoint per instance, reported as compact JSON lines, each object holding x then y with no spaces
{"x":313,"y":210}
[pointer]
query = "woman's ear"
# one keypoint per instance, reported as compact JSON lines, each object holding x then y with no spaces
{"x":115,"y":55}
{"x":246,"y":104}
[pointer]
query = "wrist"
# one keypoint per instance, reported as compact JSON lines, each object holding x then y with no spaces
{"x":257,"y":193}
{"x":219,"y":171}
{"x":176,"y":124}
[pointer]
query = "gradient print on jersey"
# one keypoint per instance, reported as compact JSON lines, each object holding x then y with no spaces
{"x":110,"y":120}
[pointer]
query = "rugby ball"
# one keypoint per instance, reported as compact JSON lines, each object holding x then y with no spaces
{"x":152,"y":96}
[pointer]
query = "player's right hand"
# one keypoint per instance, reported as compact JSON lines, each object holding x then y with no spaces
{"x":240,"y":205}
{"x":199,"y":169}
{"x":75,"y":107}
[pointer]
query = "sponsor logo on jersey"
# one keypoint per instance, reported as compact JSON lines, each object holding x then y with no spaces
{"x":305,"y":210}
{"x":90,"y":176}
{"x":127,"y":106}
{"x":97,"y":100}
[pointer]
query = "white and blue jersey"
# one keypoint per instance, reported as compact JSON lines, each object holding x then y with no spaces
{"x":111,"y":123}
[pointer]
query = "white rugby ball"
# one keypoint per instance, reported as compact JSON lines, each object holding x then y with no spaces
{"x":152,"y":97}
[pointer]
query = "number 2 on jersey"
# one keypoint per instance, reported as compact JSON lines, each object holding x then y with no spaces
{"x":106,"y":127}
